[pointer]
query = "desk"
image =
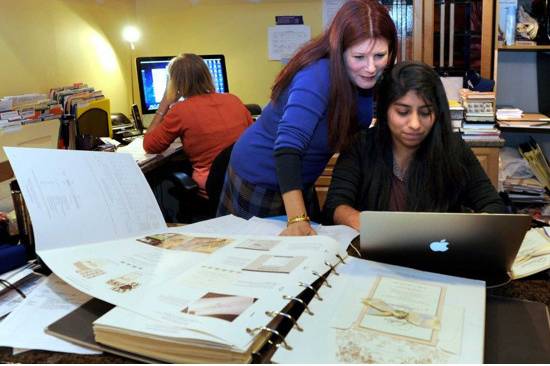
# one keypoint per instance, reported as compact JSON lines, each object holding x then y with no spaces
{"x":534,"y":288}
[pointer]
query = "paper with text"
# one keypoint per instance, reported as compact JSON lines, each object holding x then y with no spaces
{"x":216,"y":284}
{"x":79,"y":197}
{"x":24,"y":327}
{"x":379,"y":313}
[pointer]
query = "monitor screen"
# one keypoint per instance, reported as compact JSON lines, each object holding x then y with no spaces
{"x":152,"y":76}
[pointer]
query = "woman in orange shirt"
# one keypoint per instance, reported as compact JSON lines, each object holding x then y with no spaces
{"x":205,"y":121}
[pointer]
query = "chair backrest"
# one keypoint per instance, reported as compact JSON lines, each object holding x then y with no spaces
{"x":216,"y":177}
{"x":94,"y":122}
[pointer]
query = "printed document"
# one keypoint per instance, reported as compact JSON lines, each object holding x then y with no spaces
{"x":124,"y":254}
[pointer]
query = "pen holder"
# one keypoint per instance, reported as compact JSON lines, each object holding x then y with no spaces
{"x":24,"y":225}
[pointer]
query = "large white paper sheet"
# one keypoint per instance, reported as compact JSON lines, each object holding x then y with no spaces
{"x":79,"y":197}
{"x":24,"y":327}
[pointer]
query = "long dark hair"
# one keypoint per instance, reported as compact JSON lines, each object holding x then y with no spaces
{"x":356,"y":21}
{"x":435,"y":174}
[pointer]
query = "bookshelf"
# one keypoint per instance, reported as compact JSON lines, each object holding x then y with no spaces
{"x":524,"y":48}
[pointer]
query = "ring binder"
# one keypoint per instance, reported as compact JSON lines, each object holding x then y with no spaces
{"x":340,"y":258}
{"x":356,"y":250}
{"x":332,"y":268}
{"x":306,"y":285}
{"x":323,"y":278}
{"x":306,"y":308}
{"x":272,"y":331}
{"x":288,"y":316}
{"x":9,"y":285}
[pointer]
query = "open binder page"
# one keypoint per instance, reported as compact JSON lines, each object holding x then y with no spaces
{"x":220,"y":285}
{"x":78,"y":197}
{"x":379,"y":313}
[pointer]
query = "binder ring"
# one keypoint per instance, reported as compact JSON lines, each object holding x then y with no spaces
{"x":325,"y":281}
{"x":9,"y":285}
{"x":306,"y":308}
{"x":356,"y":250}
{"x":340,"y":258}
{"x":332,"y":268}
{"x":306,"y":285}
{"x":282,"y":341}
{"x":273,"y":314}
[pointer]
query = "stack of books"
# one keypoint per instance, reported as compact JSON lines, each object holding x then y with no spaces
{"x":27,"y":108}
{"x":479,"y":124}
{"x":457,"y":115}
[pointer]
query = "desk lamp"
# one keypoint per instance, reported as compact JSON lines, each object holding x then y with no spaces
{"x":131,"y":35}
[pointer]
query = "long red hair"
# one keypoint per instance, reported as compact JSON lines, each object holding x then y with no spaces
{"x":356,"y":21}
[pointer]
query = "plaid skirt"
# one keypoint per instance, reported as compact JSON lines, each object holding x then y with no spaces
{"x":245,"y":199}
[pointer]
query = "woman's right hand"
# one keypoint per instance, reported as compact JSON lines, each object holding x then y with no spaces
{"x":171,"y":94}
{"x":301,"y":228}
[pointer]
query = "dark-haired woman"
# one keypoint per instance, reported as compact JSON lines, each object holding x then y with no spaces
{"x":318,"y":101}
{"x":411,"y":160}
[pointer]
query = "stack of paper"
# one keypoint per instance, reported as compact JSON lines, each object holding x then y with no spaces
{"x":533,"y":255}
{"x":479,"y":120}
{"x":532,"y":152}
{"x":509,"y":113}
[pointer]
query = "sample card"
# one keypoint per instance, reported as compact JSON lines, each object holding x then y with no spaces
{"x":264,"y":245}
{"x":184,"y":242}
{"x":274,"y":263}
{"x":221,"y":306}
{"x":409,"y":309}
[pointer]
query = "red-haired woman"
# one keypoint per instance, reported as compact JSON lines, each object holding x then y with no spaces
{"x":318,"y":101}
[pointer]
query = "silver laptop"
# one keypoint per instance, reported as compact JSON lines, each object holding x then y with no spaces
{"x":473,"y":245}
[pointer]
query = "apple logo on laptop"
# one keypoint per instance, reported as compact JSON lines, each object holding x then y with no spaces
{"x":439,"y":246}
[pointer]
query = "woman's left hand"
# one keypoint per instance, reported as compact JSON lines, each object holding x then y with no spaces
{"x":302,"y":228}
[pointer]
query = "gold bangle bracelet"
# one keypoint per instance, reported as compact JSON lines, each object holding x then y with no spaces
{"x":295,"y":219}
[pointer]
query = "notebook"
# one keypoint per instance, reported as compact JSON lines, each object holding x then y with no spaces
{"x":472,"y":245}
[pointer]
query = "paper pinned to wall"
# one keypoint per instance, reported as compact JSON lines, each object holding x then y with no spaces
{"x":284,"y":40}
{"x":330,"y":8}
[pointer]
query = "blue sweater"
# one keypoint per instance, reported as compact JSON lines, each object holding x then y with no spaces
{"x":297,"y":120}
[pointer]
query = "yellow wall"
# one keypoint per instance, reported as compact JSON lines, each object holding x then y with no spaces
{"x":50,"y":43}
{"x":235,"y":28}
{"x":45,"y":44}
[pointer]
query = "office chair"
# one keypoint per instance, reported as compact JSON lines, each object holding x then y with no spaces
{"x":254,"y":109}
{"x":192,"y":206}
{"x":91,"y":125}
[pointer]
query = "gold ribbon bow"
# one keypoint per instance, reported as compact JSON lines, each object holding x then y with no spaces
{"x":413,"y":318}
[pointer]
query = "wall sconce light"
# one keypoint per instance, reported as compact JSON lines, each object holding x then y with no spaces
{"x":131,"y":35}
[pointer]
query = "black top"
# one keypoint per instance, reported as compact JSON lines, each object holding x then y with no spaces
{"x":352,"y":179}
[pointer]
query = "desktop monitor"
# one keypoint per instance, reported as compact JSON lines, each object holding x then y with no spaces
{"x":152,"y":76}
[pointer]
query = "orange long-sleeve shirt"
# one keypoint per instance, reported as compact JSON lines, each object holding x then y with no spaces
{"x":206,"y":124}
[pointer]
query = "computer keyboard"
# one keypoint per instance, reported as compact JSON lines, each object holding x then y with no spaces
{"x":131,"y":133}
